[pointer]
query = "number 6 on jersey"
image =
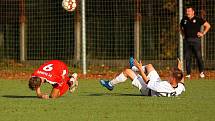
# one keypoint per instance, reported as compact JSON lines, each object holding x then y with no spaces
{"x":48,"y":67}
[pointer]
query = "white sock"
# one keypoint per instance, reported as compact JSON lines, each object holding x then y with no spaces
{"x":134,"y":68}
{"x":119,"y":79}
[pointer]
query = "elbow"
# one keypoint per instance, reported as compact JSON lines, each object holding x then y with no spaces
{"x":209,"y":26}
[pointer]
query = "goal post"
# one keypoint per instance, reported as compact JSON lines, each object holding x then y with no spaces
{"x":84,"y":61}
{"x":180,"y":36}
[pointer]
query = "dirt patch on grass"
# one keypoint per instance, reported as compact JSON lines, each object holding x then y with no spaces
{"x":12,"y":70}
{"x":24,"y":75}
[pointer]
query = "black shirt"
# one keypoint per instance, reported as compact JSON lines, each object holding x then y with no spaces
{"x":191,"y":26}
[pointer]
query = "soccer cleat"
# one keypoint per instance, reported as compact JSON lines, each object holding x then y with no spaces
{"x":106,"y":84}
{"x":202,"y":75}
{"x":74,"y":82}
{"x":188,"y":76}
{"x":131,"y":62}
{"x":74,"y":77}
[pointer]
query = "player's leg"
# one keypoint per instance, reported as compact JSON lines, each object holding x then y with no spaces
{"x":73,"y":82}
{"x":141,"y":85}
{"x":187,"y":53}
{"x":58,"y":91}
{"x":137,"y":80}
{"x":149,"y":68}
{"x":152,"y":75}
{"x":198,"y":55}
{"x":146,"y":68}
{"x":134,"y":68}
{"x":63,"y":89}
{"x":122,"y":77}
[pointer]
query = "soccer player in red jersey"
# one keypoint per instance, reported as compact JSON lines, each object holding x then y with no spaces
{"x":55,"y":73}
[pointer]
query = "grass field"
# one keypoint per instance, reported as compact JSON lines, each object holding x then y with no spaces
{"x":94,"y":103}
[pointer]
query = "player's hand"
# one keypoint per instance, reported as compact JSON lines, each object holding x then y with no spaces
{"x":138,"y":64}
{"x":45,"y":96}
{"x":200,"y":34}
{"x":179,"y":64}
{"x":182,"y":80}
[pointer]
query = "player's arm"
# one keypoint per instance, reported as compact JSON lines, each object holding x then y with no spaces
{"x":179,"y":89}
{"x":40,"y":94}
{"x":179,"y":64}
{"x":55,"y":93}
{"x":206,"y":26}
{"x":142,"y":73}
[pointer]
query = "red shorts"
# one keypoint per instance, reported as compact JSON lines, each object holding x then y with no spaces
{"x":63,"y":88}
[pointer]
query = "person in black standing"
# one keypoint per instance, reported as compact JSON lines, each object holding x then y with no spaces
{"x":191,"y":32}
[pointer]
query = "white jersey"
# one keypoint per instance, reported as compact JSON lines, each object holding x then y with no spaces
{"x":157,"y":87}
{"x":163,"y":88}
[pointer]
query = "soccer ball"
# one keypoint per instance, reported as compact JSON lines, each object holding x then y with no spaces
{"x":69,"y":5}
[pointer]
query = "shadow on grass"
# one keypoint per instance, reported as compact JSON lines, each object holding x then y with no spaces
{"x":113,"y":94}
{"x":18,"y":96}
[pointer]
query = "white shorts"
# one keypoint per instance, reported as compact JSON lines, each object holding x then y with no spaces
{"x":142,"y":86}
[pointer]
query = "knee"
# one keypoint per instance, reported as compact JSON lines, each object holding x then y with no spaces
{"x":150,"y":66}
{"x":126,"y":72}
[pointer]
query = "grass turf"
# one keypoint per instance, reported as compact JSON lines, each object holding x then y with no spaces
{"x":94,"y":103}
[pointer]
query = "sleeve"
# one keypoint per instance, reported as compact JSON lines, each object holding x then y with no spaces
{"x":179,"y":89}
{"x":64,"y":70}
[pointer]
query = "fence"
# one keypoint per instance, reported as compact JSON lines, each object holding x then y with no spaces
{"x":37,"y":30}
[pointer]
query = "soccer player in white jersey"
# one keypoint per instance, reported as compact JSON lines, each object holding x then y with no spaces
{"x":147,"y":80}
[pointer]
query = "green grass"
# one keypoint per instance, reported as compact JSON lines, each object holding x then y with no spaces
{"x":94,"y":103}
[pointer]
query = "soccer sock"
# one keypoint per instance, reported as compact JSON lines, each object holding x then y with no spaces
{"x":119,"y":79}
{"x":134,"y":68}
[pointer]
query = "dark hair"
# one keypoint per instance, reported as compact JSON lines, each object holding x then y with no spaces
{"x":191,"y":7}
{"x":34,"y":82}
{"x":177,"y":74}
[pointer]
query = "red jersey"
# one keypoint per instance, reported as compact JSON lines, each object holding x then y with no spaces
{"x":53,"y":71}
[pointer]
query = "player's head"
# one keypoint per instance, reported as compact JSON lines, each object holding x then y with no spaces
{"x":34,"y":82}
{"x":177,"y":74}
{"x":190,"y":11}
